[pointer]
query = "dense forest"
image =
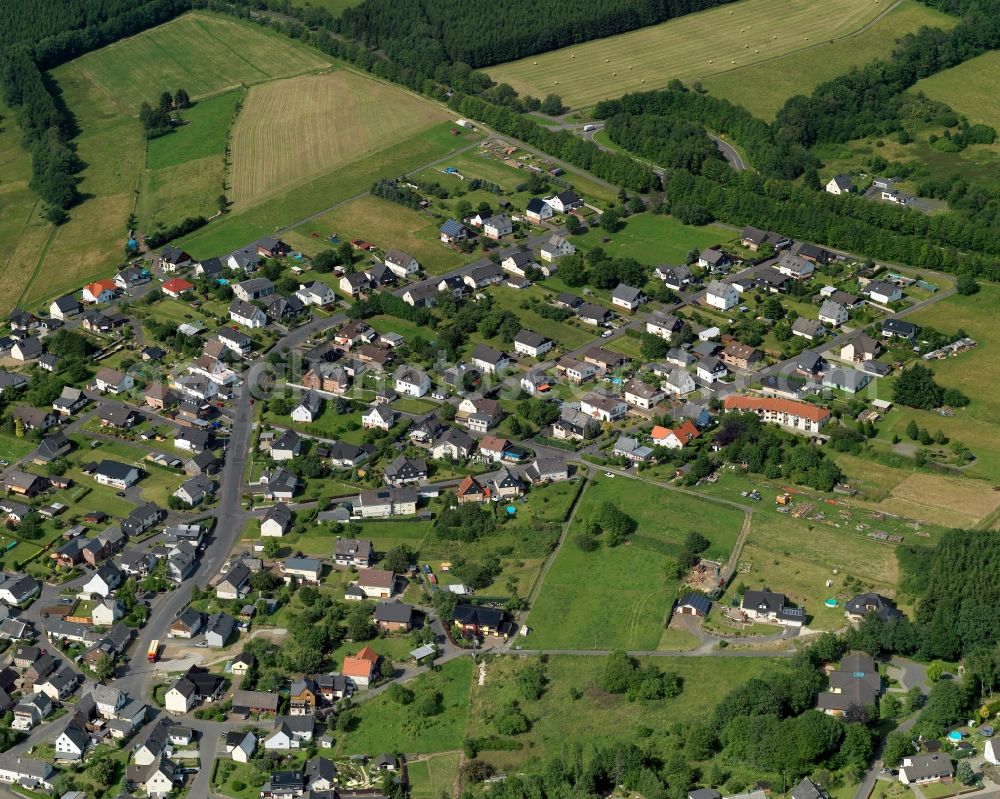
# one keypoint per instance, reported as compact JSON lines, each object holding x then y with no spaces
{"x":771,"y":156}
{"x":425,"y":33}
{"x":667,"y":140}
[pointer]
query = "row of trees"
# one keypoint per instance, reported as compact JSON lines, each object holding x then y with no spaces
{"x":671,"y":141}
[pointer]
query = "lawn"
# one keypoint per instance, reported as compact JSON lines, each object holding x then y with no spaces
{"x":628,"y":587}
{"x":13,"y":448}
{"x":653,"y":239}
{"x":971,"y":88}
{"x":741,"y":34}
{"x":382,"y":725}
{"x":782,"y":76}
{"x":385,"y":224}
{"x":185,"y":169}
{"x":434,"y":776}
{"x":596,"y":718}
{"x":340,"y":117}
{"x":797,"y":557}
{"x":568,"y":335}
{"x":319,"y":194}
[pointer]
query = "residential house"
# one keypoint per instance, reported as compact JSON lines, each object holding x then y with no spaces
{"x":255,"y":702}
{"x":678,"y":383}
{"x":142,"y":518}
{"x":411,"y":381}
{"x":630,"y":449}
{"x":809,"y":363}
{"x":640,"y":395}
{"x":11,"y":381}
{"x":481,"y":276}
{"x":276,"y":521}
{"x":281,"y":308}
{"x":71,"y":743}
{"x":519,"y":263}
{"x":219,"y":628}
{"x":17,"y":589}
{"x":106,"y":612}
{"x":676,"y":278}
{"x":506,"y":485}
{"x":537,"y":210}
{"x":840,"y":184}
{"x":675,"y":437}
{"x":26,"y":349}
{"x":188,"y":624}
{"x":832,"y":313}
{"x":861,"y":348}
{"x":121,"y":417}
{"x":71,"y":401}
{"x":196,"y":490}
{"x":452,"y":231}
{"x":471,"y":490}
{"x":809,"y":329}
{"x":532,"y":344}
{"x":794,"y":266}
{"x":721,"y":295}
{"x":65,"y":307}
{"x":627,"y":297}
{"x":290,"y":732}
{"x":401,"y":264}
{"x":376,"y":583}
{"x":479,"y":621}
{"x":308,"y":408}
{"x":695,"y":605}
{"x":353,"y":552}
{"x":897,"y":328}
{"x":305,"y":570}
{"x":711,"y":369}
{"x":240,"y":746}
{"x":479,"y":414}
{"x":870,"y":602}
{"x":23,"y":483}
{"x":381,"y":502}
{"x":772,"y":607}
{"x":547,"y":469}
{"x":33,"y":418}
{"x":555,"y":248}
{"x":592,"y":314}
{"x":753,"y":239}
{"x":118,"y":475}
{"x":565,"y":201}
{"x":714,"y":259}
{"x":111,"y":381}
{"x":489,"y":360}
{"x":237,"y":341}
{"x":176,"y":287}
{"x":103,"y":582}
{"x":925,"y":768}
{"x":277,"y":484}
{"x":361,"y":668}
{"x":319,"y":294}
{"x":346,"y":455}
{"x":602,"y":407}
{"x":882,"y":292}
{"x":604,"y":359}
{"x":270,"y":247}
{"x":403,"y":471}
{"x":379,"y":417}
{"x":247,"y":314}
{"x":99,"y":291}
{"x":575,"y":371}
{"x":25,"y":771}
{"x":741,"y":356}
{"x":497,"y":226}
{"x":256,"y":288}
{"x":847,"y":379}
{"x":854,"y":685}
{"x":235,"y":583}
{"x":663,"y":325}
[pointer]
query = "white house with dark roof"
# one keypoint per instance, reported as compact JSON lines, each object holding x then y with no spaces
{"x":721,"y":295}
{"x":532,"y":344}
{"x":401,"y":264}
{"x":555,"y":248}
{"x":627,"y":297}
{"x":832,"y":313}
{"x":840,"y":184}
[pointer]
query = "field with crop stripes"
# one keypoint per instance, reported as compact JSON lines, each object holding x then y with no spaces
{"x":293,"y":130}
{"x":690,"y":47}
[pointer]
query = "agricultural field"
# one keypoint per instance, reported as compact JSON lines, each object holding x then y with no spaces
{"x":103,"y":90}
{"x":971,"y":88}
{"x":201,"y":52}
{"x":741,"y":34}
{"x":298,"y":206}
{"x":185,"y":170}
{"x":596,"y":716}
{"x":796,"y":557}
{"x":626,"y":587}
{"x":339,"y":117}
{"x":385,"y":224}
{"x":781,"y":77}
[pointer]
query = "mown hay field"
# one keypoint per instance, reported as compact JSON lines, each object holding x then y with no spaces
{"x":694,"y":46}
{"x":293,"y":130}
{"x":971,"y":88}
{"x":763,"y":88}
